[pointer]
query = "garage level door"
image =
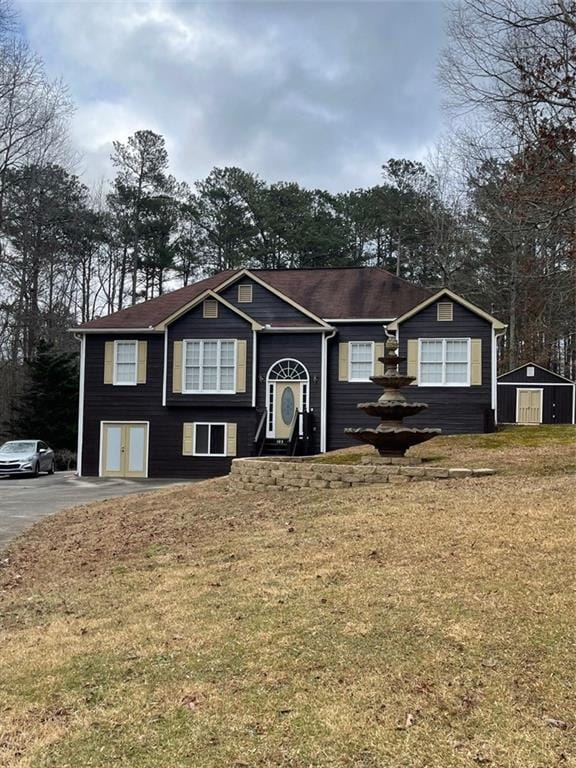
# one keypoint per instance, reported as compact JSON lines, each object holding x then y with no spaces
{"x":124,"y":449}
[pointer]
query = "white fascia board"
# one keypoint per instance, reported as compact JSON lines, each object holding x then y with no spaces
{"x":297,"y":329}
{"x":359,"y":320}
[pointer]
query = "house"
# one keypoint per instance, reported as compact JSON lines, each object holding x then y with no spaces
{"x":250,"y":362}
{"x":531,"y":394}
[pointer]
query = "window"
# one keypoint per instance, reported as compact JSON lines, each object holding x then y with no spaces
{"x":361,"y":360}
{"x":210,"y":309}
{"x":245,"y":294}
{"x":209,"y":366}
{"x":530,"y":370}
{"x":125,"y":362}
{"x":444,"y":311}
{"x":444,"y":362}
{"x":210,"y":439}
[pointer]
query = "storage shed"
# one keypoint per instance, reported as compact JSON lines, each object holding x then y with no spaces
{"x":532,"y":394}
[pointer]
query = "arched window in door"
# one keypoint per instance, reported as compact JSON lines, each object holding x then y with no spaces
{"x":286,"y":370}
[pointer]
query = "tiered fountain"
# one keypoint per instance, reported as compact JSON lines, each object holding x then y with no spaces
{"x":390,"y":437}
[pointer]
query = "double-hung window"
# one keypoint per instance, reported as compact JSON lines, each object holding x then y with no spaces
{"x":209,"y":439}
{"x":361,"y":360}
{"x":444,"y":362}
{"x":209,"y":366}
{"x":125,"y":362}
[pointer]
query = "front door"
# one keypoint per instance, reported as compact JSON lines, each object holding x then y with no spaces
{"x":529,"y":406}
{"x":124,"y":450}
{"x":287,"y":401}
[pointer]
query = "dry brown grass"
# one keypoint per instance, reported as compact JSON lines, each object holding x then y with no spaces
{"x":423,"y":625}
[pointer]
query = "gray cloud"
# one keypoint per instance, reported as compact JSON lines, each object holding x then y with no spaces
{"x":319,"y":92}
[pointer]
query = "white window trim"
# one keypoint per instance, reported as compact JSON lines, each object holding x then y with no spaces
{"x":350,"y":377}
{"x":443,"y":383}
{"x":208,"y":391}
{"x":304,"y":404}
{"x":115,"y":381}
{"x":210,"y":424}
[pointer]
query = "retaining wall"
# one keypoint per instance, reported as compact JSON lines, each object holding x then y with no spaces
{"x":297,"y":473}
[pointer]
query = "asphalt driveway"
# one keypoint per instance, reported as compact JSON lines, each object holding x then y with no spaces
{"x":25,"y":500}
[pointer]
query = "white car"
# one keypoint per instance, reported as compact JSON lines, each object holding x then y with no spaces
{"x":26,"y":457}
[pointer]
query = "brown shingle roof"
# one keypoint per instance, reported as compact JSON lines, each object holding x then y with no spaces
{"x":336,"y":293}
{"x":352,"y":292}
{"x":150,"y":313}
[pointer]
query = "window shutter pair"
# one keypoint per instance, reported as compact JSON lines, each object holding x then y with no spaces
{"x":241,"y":351}
{"x":188,"y":439}
{"x":344,"y":358}
{"x":141,"y":362}
{"x":475,"y":361}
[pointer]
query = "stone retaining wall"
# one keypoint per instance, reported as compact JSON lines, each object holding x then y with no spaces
{"x":296,"y":473}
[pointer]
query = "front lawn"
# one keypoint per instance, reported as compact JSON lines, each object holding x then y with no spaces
{"x":427,"y":625}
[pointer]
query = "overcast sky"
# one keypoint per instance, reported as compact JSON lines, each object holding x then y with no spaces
{"x":321,"y":93}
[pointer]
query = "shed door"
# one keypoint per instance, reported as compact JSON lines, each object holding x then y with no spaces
{"x":529,"y":406}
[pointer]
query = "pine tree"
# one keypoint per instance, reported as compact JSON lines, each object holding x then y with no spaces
{"x":48,"y":409}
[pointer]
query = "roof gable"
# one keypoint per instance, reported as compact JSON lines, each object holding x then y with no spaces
{"x":446,"y":292}
{"x":209,"y":294}
{"x":540,"y":367}
{"x":265,"y":283}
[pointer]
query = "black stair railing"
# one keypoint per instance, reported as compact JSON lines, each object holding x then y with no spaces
{"x":260,"y":436}
{"x":294,"y":438}
{"x":307,"y":439}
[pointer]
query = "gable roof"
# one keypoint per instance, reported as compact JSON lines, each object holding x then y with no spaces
{"x":369,"y":293}
{"x":541,"y":367}
{"x":496,"y":324}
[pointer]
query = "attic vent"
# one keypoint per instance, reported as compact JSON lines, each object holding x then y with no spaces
{"x":245,"y":294}
{"x":530,"y":370}
{"x":210,"y":308}
{"x":445,"y":311}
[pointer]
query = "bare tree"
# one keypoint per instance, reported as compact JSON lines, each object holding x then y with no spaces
{"x":33,"y":111}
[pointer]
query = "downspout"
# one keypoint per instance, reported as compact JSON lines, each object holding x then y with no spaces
{"x":324,"y":390}
{"x":494,"y":382}
{"x":82,"y":339}
{"x":254,"y":361}
{"x":165,"y":371}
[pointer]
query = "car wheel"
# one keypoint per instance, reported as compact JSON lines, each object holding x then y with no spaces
{"x":51,"y":469}
{"x":36,"y":470}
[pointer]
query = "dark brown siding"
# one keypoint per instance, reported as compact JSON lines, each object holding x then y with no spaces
{"x":228,"y":325}
{"x":343,"y":396}
{"x":304,"y":347}
{"x":557,"y":402}
{"x":266,"y":307}
{"x":453,"y":409}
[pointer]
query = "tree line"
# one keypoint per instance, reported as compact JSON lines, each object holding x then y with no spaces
{"x":491,"y":215}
